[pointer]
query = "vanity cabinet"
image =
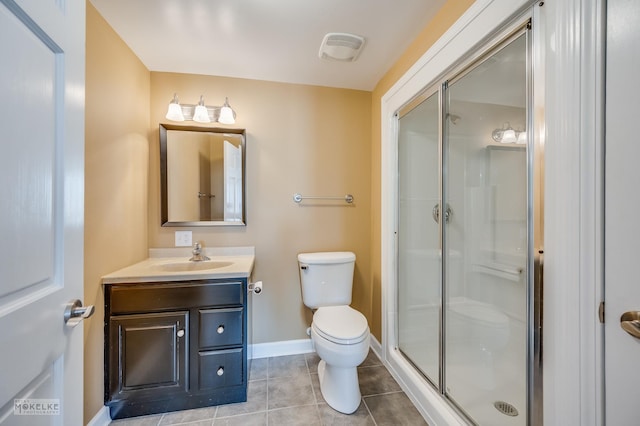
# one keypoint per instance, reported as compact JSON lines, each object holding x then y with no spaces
{"x":174,"y":345}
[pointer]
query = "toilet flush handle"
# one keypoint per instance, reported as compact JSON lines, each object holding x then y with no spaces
{"x":304,"y":267}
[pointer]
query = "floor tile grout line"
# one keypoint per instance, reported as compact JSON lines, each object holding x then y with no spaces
{"x":267,"y":401}
{"x":370,"y":413}
{"x":362,"y":367}
{"x":243,"y":414}
{"x":318,"y":412}
{"x":192,"y":422}
{"x":313,"y":391}
{"x":293,"y":406}
{"x":383,"y":393}
{"x":315,"y":397}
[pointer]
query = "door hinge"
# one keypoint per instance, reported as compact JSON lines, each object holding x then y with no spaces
{"x":601,"y":312}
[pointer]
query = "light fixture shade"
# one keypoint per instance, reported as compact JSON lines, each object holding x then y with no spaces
{"x":509,"y":136}
{"x":227,"y":115}
{"x":522,"y":137}
{"x":201,"y":115}
{"x":174,"y":113}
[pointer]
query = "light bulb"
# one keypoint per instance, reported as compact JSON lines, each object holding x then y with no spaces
{"x":522,"y":137}
{"x":509,"y":136}
{"x":174,"y":113}
{"x":226,"y":113}
{"x":201,"y":115}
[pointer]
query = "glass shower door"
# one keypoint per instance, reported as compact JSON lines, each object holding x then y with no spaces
{"x":419,"y":281}
{"x":486,"y":187}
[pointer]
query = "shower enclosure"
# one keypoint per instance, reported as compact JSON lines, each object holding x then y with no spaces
{"x":468,"y":220}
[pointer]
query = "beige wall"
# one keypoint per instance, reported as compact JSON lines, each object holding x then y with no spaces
{"x":434,"y":29}
{"x":116,"y":182}
{"x":307,"y":139}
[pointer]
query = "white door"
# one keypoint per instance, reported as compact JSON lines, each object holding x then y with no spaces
{"x":622,"y":211}
{"x":41,"y":209}
{"x":232,"y":182}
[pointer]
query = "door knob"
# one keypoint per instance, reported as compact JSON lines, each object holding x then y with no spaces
{"x":74,"y":312}
{"x":630,"y":322}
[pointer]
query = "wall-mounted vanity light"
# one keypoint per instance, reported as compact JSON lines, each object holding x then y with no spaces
{"x":200,"y":113}
{"x":507,"y":134}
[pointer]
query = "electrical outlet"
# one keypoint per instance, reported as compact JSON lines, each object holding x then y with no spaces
{"x":184,"y":239}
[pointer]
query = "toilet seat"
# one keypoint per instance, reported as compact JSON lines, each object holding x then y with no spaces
{"x":342,"y":325}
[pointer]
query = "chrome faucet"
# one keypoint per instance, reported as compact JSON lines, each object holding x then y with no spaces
{"x":197,"y":254}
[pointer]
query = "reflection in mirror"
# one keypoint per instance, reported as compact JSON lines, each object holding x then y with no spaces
{"x":202,"y":176}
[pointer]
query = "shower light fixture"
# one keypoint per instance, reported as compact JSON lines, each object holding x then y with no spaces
{"x":507,"y":134}
{"x":200,"y":113}
{"x":522,"y":137}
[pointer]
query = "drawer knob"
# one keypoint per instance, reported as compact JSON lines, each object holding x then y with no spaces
{"x":221,"y":329}
{"x":180,"y":333}
{"x":220,"y":371}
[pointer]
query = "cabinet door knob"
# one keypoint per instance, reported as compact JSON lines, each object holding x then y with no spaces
{"x":220,"y":371}
{"x":221,"y":329}
{"x":180,"y":333}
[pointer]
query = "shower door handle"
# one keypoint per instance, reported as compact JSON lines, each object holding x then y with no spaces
{"x":435,"y":213}
{"x":630,"y":322}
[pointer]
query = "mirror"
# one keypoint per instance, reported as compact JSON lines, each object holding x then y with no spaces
{"x":202,"y":176}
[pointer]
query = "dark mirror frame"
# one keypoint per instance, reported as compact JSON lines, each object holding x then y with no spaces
{"x":164,"y":206}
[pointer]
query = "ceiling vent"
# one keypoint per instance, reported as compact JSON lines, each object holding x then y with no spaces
{"x":341,"y":47}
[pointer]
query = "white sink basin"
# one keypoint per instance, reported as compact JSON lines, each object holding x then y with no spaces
{"x":192,"y":266}
{"x":171,"y":264}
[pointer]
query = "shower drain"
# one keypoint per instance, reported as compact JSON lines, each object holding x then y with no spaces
{"x":506,"y":408}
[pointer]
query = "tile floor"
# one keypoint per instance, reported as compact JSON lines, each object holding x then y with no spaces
{"x":285,"y":391}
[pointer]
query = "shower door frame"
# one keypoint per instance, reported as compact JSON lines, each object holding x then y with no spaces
{"x":514,"y":28}
{"x":431,"y":90}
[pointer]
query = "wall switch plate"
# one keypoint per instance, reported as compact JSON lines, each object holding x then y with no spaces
{"x":184,"y":238}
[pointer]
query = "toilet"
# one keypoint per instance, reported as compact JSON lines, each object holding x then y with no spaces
{"x":339,"y":333}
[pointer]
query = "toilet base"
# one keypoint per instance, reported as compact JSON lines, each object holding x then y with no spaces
{"x":339,"y":387}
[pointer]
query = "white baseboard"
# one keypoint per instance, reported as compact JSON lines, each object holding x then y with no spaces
{"x":102,"y":418}
{"x":295,"y":347}
{"x":376,"y":347}
{"x":285,"y":347}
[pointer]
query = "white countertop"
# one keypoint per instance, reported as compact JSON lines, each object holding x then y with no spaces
{"x":236,"y":262}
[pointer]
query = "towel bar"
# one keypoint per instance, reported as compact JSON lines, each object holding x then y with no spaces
{"x":298,"y":198}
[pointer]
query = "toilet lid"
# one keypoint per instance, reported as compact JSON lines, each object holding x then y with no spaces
{"x":340,"y":324}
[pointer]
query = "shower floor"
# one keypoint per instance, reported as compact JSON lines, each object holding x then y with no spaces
{"x":476,"y":379}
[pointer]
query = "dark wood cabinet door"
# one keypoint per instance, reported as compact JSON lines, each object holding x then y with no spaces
{"x":149,"y":354}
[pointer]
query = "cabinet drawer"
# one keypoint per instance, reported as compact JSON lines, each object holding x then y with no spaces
{"x":220,"y":327}
{"x":220,"y":368}
{"x":132,"y":298}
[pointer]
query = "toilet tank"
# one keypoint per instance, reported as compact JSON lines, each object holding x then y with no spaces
{"x":326,"y":278}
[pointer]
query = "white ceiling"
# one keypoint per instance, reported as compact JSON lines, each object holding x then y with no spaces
{"x":274,"y":40}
